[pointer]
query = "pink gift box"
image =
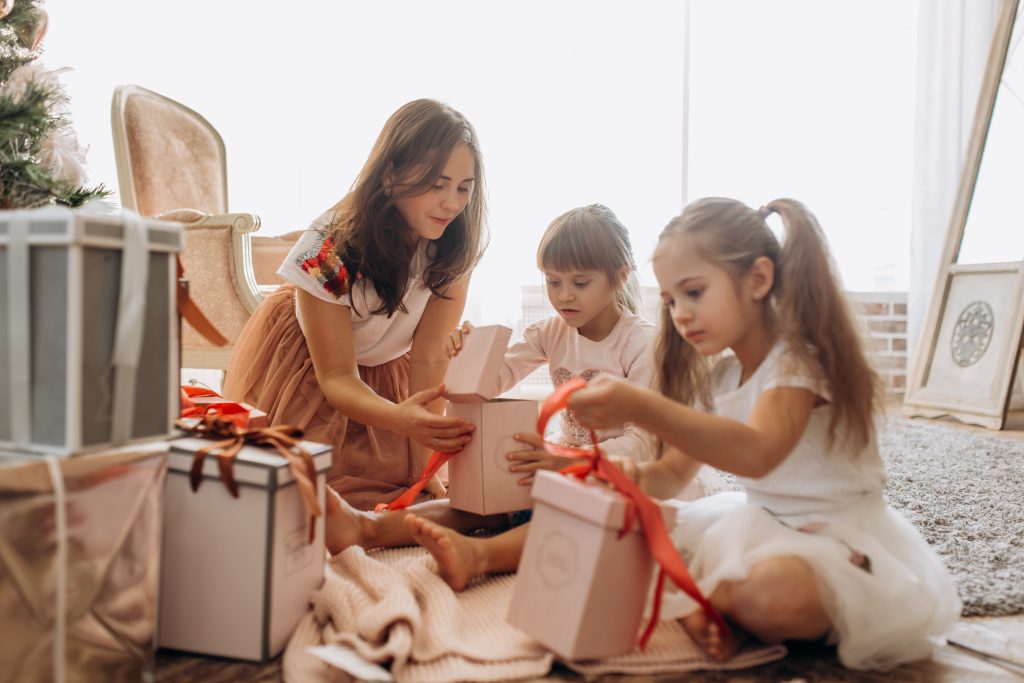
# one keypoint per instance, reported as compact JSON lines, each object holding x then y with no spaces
{"x":238,"y":572}
{"x":581,"y":590}
{"x":478,"y":477}
{"x":473,"y":374}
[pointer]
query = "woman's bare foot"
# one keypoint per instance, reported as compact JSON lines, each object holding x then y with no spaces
{"x":703,"y":630}
{"x":345,"y":526}
{"x":456,"y":555}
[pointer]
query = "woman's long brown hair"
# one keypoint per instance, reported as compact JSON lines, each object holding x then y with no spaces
{"x":372,"y":236}
{"x":806,"y":304}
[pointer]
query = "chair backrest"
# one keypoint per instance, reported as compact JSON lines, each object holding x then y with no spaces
{"x":168,"y":156}
{"x":171,"y":160}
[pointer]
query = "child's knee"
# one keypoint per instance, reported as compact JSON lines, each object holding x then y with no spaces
{"x":779,"y":600}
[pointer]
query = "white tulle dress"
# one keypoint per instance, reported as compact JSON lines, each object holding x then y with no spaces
{"x":888,"y":594}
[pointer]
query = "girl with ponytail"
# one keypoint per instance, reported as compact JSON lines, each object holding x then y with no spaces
{"x":759,"y":335}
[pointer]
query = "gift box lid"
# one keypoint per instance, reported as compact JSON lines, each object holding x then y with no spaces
{"x":589,"y":500}
{"x":59,"y":225}
{"x":254,"y":465}
{"x":473,"y":374}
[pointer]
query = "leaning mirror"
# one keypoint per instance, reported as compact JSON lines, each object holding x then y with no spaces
{"x":970,"y":343}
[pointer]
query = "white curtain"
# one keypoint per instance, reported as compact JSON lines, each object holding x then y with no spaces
{"x":954,"y":38}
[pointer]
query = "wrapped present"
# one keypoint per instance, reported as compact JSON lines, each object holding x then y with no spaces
{"x":79,"y":560}
{"x":586,"y":567}
{"x":479,"y":480}
{"x":88,"y":330}
{"x":582,"y":583}
{"x":243,"y":541}
{"x":199,"y":402}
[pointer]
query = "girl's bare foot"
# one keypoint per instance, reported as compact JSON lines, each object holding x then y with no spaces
{"x":344,"y":525}
{"x":455,"y":554}
{"x":708,"y":636}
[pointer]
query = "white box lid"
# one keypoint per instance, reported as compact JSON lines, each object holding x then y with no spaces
{"x":254,"y":465}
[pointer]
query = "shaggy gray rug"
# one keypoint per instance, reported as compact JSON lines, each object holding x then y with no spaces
{"x":964,"y":490}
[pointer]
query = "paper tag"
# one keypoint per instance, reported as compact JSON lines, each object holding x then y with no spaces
{"x":349,"y":661}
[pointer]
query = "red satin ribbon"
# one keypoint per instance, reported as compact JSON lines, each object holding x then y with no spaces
{"x":284,"y":438}
{"x":637,"y":503}
{"x":437,"y":458}
{"x":236,"y":413}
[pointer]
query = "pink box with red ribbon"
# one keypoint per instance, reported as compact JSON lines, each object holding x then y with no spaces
{"x":479,"y":480}
{"x":582,"y":585}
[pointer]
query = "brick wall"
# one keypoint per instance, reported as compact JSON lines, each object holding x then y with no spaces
{"x":883,"y":314}
{"x":884,"y":319}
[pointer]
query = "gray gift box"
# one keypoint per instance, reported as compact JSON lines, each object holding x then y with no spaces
{"x":74,"y":343}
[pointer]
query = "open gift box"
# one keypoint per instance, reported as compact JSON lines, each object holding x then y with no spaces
{"x":581,"y":587}
{"x":238,"y":572}
{"x":479,"y":480}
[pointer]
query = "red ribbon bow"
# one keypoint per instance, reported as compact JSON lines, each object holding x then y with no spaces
{"x":236,"y":413}
{"x":638,"y":503}
{"x":284,"y":438}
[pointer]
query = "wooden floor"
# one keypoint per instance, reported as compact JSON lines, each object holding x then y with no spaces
{"x":803,"y":665}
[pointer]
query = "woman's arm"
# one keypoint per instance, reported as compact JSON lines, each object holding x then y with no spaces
{"x":751,"y":449}
{"x":328,"y":332}
{"x":428,"y":359}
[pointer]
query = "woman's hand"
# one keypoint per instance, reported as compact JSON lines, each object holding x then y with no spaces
{"x":536,"y":458}
{"x":605,"y":402}
{"x":436,"y":432}
{"x":453,"y":344}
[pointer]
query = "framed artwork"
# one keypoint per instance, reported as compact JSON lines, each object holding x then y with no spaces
{"x":970,"y":344}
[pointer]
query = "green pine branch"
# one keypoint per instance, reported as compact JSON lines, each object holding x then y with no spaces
{"x":27,"y":120}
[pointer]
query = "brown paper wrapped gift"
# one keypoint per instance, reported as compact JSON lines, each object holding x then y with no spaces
{"x":82,"y":533}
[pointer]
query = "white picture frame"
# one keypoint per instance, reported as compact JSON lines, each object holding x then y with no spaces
{"x":970,"y":344}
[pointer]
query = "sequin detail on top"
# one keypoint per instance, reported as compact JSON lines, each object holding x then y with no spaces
{"x":323,"y":264}
{"x":580,"y":435}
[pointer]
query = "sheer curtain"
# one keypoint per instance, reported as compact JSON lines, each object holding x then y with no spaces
{"x":954,"y":37}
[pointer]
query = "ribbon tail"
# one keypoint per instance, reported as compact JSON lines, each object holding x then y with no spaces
{"x":659,"y":589}
{"x":437,"y":458}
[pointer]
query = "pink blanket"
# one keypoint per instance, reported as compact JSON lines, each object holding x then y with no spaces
{"x":391,"y":607}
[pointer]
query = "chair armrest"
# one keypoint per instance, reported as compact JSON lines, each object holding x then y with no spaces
{"x":242,"y":225}
{"x":239,"y":222}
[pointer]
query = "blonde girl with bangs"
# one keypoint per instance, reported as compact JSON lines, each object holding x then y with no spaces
{"x":589,"y":271}
{"x":352,"y":348}
{"x":759,"y":335}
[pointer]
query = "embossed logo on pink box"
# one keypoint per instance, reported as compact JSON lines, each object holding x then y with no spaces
{"x":581,"y":590}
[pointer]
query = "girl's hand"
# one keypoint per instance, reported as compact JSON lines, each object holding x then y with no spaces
{"x":453,"y":344}
{"x":436,"y":432}
{"x":531,"y":460}
{"x":605,"y":402}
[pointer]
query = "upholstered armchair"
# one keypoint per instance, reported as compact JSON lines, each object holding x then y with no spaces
{"x":171,"y":163}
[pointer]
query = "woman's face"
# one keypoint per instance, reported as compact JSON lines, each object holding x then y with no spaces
{"x":428,"y":214}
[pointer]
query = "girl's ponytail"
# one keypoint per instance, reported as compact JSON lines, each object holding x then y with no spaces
{"x":816,"y":322}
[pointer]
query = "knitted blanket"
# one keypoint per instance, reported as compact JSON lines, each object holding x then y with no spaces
{"x":391,"y":607}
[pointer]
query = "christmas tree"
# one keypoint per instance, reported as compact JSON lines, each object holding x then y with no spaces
{"x":41,"y":161}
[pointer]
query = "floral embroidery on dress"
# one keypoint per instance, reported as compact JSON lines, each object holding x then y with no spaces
{"x":580,"y":435}
{"x":324,"y":265}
